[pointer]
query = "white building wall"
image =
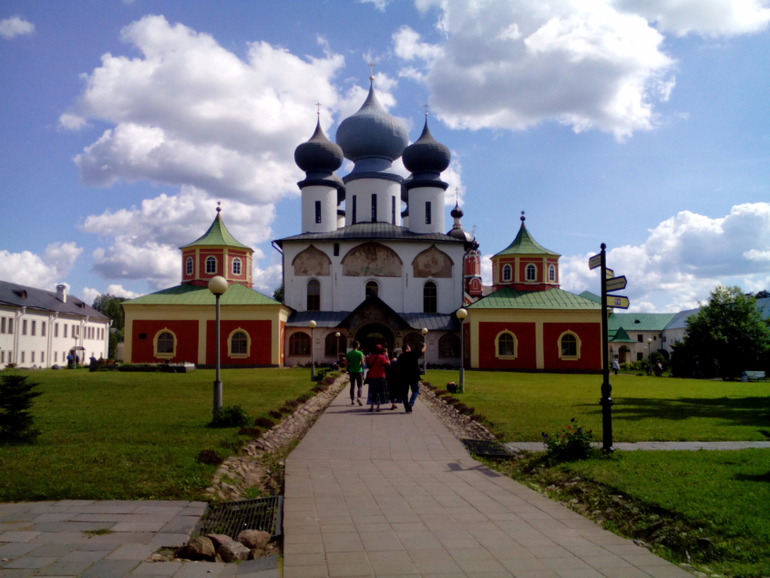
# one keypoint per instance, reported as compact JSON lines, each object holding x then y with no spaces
{"x":418,"y":197}
{"x":344,"y":293}
{"x":364,"y":190}
{"x":327,"y":196}
{"x":45,"y":345}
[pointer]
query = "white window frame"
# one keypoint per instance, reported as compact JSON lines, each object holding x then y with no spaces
{"x":515,"y":345}
{"x":552,"y":273}
{"x":527,"y":270}
{"x":509,"y":270}
{"x":211,"y":259}
{"x":230,"y":344}
{"x":164,"y":355}
{"x":236,"y":261}
{"x":189,"y":266}
{"x":577,"y":346}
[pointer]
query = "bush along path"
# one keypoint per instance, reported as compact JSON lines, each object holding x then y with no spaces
{"x":258,"y":469}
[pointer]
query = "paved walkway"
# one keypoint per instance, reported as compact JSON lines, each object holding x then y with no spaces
{"x":52,"y":539}
{"x":392,"y":494}
{"x":653,"y":446}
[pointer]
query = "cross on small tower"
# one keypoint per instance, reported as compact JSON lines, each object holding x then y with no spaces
{"x":523,"y":218}
{"x":371,"y":71}
{"x":474,"y":231}
{"x":318,"y":104}
{"x":426,"y":107}
{"x":219,"y":208}
{"x":457,"y":195}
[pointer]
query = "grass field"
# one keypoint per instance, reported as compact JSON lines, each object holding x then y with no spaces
{"x":112,"y":435}
{"x":522,"y":405}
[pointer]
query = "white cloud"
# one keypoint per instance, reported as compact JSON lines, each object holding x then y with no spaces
{"x":684,"y":257}
{"x":187,"y":111}
{"x":73,"y":122}
{"x":15,"y":26}
{"x":513,"y":65}
{"x":706,"y":17}
{"x":89,"y":294}
{"x":486,"y":270}
{"x":378,"y":4}
{"x":27,"y":268}
{"x":144,"y":241}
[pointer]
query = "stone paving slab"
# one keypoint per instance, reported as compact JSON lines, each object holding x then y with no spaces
{"x":395,"y":494}
{"x":654,"y":446}
{"x":51,"y":539}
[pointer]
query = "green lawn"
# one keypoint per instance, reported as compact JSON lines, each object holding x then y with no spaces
{"x":111,"y":435}
{"x":522,"y":405}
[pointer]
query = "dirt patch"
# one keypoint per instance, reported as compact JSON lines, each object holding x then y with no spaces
{"x":461,"y":425}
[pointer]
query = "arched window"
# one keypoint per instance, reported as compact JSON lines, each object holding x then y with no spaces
{"x":569,"y":346}
{"x":299,"y":344}
{"x":189,"y":266}
{"x":236,"y":266}
{"x":551,"y":273}
{"x":414,"y":340}
{"x":334,"y":345}
{"x":165,"y":344}
{"x":211,"y":265}
{"x":506,"y":273}
{"x":506,"y":345}
{"x":449,"y":345}
{"x":531,"y":272}
{"x":239,"y":344}
{"x":372,"y":288}
{"x":429,"y":298}
{"x":313,"y":295}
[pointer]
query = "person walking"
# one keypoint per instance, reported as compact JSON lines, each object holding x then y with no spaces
{"x":378,"y":387}
{"x":615,"y":365}
{"x":394,"y":383}
{"x":355,"y":358}
{"x":409,"y":372}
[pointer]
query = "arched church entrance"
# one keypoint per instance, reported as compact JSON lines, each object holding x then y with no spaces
{"x":374,"y":334}
{"x":623,"y":354}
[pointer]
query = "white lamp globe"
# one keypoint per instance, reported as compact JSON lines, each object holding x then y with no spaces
{"x":218,"y":285}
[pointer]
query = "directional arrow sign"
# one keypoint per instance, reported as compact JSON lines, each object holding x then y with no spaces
{"x":617,"y":301}
{"x":616,"y":283}
{"x":595,"y":261}
{"x":609,"y":273}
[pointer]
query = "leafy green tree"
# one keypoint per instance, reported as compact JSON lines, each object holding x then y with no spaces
{"x":111,"y":306}
{"x":16,"y":422}
{"x":764,"y":294}
{"x":278,"y":294}
{"x":728,"y":335}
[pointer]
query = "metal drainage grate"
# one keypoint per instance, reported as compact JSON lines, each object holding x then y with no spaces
{"x":486,"y":448}
{"x":233,"y":517}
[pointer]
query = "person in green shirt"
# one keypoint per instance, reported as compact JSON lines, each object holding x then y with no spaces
{"x":355,"y":358}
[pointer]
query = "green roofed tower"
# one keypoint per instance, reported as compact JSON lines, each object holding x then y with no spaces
{"x":525,"y":265}
{"x":217,"y":252}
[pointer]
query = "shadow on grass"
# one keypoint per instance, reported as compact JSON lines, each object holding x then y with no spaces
{"x":747,"y":411}
{"x":753,"y":477}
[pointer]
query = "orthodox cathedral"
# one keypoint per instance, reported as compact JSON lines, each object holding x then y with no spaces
{"x":374,"y":263}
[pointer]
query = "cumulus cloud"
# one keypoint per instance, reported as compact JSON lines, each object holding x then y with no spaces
{"x":378,"y":4}
{"x":705,"y":17}
{"x":73,"y":122}
{"x":189,"y":112}
{"x":15,"y":26}
{"x":89,"y":294}
{"x":512,"y":65}
{"x":684,"y":257}
{"x":144,"y":241}
{"x":27,"y":268}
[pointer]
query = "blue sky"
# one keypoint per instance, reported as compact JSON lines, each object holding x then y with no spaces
{"x":642,"y":124}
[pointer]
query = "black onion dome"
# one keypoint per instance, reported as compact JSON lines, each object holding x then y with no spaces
{"x":372,"y":132}
{"x":426,"y":154}
{"x":319,"y":154}
{"x":457,"y":212}
{"x":460,"y":234}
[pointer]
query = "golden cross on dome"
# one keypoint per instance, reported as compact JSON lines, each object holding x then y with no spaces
{"x":371,"y":72}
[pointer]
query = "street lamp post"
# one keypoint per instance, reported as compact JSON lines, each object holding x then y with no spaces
{"x":461,"y":315}
{"x":337,"y":339}
{"x":649,"y":356}
{"x":218,"y":286}
{"x":424,"y":332}
{"x":312,"y":325}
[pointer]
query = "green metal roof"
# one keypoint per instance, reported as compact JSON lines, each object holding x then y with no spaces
{"x":638,"y":321}
{"x":591,"y":296}
{"x":217,"y":235}
{"x":524,"y":244}
{"x":620,"y":336}
{"x":507,"y":298}
{"x":187,"y":294}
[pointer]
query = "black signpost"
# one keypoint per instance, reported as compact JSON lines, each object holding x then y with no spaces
{"x":609,"y":283}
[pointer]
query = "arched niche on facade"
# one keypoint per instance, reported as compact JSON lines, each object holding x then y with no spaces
{"x":312,"y":262}
{"x":372,"y":260}
{"x":432,"y":263}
